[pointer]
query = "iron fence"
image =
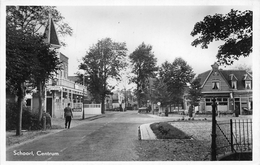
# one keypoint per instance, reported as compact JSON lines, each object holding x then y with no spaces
{"x":233,"y":136}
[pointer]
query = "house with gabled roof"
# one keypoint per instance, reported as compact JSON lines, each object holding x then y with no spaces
{"x":231,"y":88}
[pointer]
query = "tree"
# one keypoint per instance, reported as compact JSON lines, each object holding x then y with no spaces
{"x":194,"y":92}
{"x":234,"y":28}
{"x":103,"y":61}
{"x":32,"y":19}
{"x":46,"y":65}
{"x":24,"y":66}
{"x":161,"y":93}
{"x":144,"y":67}
{"x":176,"y":75}
{"x":244,"y":67}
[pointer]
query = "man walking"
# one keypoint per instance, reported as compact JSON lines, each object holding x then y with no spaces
{"x":68,"y":115}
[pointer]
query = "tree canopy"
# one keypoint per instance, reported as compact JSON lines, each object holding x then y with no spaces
{"x":144,"y":67}
{"x":176,"y":75}
{"x":32,"y":19}
{"x":103,"y":61}
{"x":234,"y":29}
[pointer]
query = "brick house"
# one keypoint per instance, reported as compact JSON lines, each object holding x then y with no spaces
{"x":231,"y":88}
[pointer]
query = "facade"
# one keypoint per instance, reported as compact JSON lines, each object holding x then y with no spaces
{"x":231,"y":88}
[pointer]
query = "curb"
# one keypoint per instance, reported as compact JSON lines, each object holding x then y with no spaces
{"x":146,"y":132}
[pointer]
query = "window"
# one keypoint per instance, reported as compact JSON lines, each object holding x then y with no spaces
{"x":234,"y":84}
{"x":215,"y":85}
{"x":28,"y":102}
{"x":248,"y":84}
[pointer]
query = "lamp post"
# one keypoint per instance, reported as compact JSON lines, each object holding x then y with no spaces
{"x":83,"y":113}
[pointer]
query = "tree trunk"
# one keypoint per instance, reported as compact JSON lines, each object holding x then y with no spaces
{"x":21,"y":95}
{"x":40,"y":90}
{"x":138,"y":96}
{"x":103,"y":104}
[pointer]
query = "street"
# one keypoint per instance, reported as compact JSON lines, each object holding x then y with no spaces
{"x":112,"y":138}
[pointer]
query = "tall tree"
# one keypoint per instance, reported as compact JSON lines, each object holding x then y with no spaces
{"x":234,"y":28}
{"x":103,"y":61}
{"x":144,"y":67}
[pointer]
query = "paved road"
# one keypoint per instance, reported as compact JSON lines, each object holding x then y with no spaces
{"x":111,"y":138}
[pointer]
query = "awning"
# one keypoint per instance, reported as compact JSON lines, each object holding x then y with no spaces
{"x":216,"y":95}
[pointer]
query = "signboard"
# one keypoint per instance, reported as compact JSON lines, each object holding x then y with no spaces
{"x":76,"y":109}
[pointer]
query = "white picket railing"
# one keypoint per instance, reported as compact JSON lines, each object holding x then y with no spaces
{"x":92,"y":109}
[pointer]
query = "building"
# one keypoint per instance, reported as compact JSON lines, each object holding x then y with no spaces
{"x":60,"y":90}
{"x":231,"y":88}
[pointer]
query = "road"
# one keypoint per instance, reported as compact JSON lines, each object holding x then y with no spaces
{"x":112,"y":138}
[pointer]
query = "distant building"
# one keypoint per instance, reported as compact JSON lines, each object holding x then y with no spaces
{"x":231,"y":88}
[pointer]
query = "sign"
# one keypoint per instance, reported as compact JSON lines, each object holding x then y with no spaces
{"x":77,"y":109}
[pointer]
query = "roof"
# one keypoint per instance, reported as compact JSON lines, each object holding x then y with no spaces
{"x":203,"y":76}
{"x":238,"y":75}
{"x":51,"y":34}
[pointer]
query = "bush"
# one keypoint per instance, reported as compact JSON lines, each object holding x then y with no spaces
{"x":165,"y":130}
{"x":11,"y":115}
{"x":29,"y":120}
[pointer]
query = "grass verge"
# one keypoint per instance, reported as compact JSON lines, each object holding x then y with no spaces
{"x":164,"y":130}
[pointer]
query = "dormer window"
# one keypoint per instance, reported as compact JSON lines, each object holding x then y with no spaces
{"x":248,"y":85}
{"x":234,"y":84}
{"x":215,"y":85}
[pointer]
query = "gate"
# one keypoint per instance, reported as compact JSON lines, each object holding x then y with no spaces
{"x":233,"y":137}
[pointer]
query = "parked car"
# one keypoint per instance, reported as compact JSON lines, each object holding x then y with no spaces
{"x":143,"y":109}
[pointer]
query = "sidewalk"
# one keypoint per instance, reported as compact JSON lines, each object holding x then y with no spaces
{"x":146,"y":132}
{"x":57,"y":125}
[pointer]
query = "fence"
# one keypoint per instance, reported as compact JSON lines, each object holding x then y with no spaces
{"x":92,"y":109}
{"x":233,"y":136}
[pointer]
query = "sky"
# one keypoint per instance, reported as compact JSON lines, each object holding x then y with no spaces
{"x":166,"y":28}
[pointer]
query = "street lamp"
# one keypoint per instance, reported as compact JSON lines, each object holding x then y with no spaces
{"x":83,"y":113}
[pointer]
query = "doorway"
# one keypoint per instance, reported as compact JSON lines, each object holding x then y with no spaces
{"x":49,"y":106}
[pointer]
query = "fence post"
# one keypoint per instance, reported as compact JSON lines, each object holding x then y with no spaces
{"x":213,"y":134}
{"x":231,"y":135}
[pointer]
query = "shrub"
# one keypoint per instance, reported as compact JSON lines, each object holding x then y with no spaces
{"x":165,"y":130}
{"x":11,"y":115}
{"x":29,"y":120}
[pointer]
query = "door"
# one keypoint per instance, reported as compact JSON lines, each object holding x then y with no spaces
{"x":237,"y":107}
{"x":49,"y":106}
